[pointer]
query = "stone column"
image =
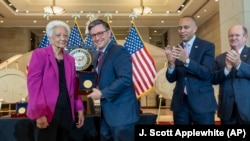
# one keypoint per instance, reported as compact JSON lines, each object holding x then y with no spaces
{"x":233,"y":12}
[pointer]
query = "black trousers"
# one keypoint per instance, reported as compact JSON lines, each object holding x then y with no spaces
{"x":59,"y":129}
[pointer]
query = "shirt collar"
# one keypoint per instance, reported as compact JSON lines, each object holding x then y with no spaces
{"x":241,"y":50}
{"x":103,"y":50}
{"x":190,"y":42}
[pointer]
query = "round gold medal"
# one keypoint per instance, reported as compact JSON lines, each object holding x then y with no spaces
{"x":87,"y":84}
{"x":21,"y":110}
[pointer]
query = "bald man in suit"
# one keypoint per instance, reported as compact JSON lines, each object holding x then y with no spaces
{"x":193,"y":100}
{"x":232,"y":73}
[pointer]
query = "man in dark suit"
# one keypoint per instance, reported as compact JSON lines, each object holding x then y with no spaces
{"x":193,"y":100}
{"x":119,"y":106}
{"x":232,"y":73}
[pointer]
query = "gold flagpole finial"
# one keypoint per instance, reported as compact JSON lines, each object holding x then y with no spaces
{"x":108,"y":16}
{"x":47,"y":15}
{"x":90,"y":16}
{"x":76,"y":16}
{"x":133,"y":15}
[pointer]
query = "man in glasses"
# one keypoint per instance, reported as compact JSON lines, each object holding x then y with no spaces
{"x":119,"y":106}
{"x":231,"y":73}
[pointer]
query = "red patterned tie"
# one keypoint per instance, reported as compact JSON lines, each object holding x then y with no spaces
{"x":100,"y":59}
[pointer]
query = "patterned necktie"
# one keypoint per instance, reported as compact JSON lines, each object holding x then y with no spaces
{"x":186,"y":49}
{"x":100,"y":59}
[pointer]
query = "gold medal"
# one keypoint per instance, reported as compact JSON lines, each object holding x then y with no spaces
{"x":87,"y":84}
{"x":21,"y":110}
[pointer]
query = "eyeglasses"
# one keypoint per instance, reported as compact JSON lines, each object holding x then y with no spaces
{"x":99,"y":34}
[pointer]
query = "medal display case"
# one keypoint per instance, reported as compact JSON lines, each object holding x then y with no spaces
{"x":13,"y":110}
{"x":87,"y":81}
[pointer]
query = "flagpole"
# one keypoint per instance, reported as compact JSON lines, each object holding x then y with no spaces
{"x":133,"y":16}
{"x":90,"y":16}
{"x":109,"y":16}
{"x":76,"y":16}
{"x":159,"y":109}
{"x":133,"y":23}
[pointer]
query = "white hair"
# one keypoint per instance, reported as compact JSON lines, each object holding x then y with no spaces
{"x":55,"y":23}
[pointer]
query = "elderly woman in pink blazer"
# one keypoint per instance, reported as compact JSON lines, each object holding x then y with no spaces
{"x":52,"y":88}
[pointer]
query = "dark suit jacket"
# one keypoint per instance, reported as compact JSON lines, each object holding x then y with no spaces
{"x":198,"y":79}
{"x":119,"y":105}
{"x":233,"y":88}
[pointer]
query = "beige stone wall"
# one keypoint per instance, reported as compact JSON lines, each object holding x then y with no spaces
{"x":233,"y":12}
{"x":13,"y":41}
{"x":173,"y":36}
{"x":144,"y":33}
{"x":210,"y":31}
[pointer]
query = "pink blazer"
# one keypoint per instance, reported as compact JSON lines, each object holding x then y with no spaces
{"x":43,"y":84}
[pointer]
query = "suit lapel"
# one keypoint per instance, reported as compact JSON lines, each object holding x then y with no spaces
{"x":194,"y":48}
{"x":67,"y":65}
{"x":53,"y":60}
{"x":244,"y":54}
{"x":105,"y":55}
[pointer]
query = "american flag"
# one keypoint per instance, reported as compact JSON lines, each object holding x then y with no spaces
{"x":113,"y":38}
{"x":112,"y":34}
{"x":75,"y":37}
{"x":144,"y":70}
{"x":45,"y":41}
{"x":88,"y":41}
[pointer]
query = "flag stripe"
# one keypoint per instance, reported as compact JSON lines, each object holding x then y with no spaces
{"x":137,"y":77}
{"x":138,"y":87}
{"x":144,"y":70}
{"x":141,"y":68}
{"x":149,"y":68}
